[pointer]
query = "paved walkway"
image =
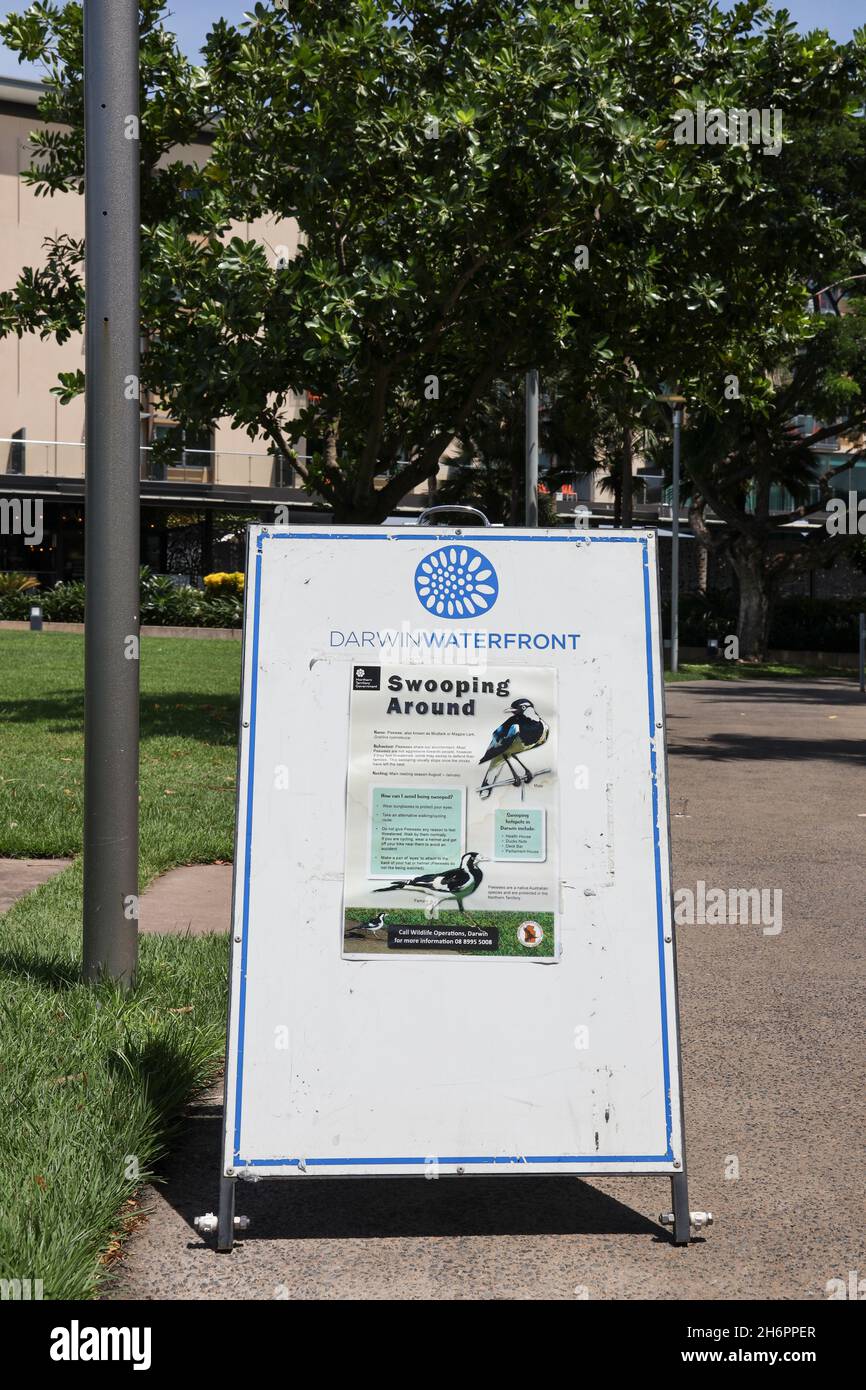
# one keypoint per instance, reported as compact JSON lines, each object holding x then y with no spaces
{"x":194,"y":899}
{"x":191,"y":900}
{"x":767,"y":789}
{"x":20,"y":876}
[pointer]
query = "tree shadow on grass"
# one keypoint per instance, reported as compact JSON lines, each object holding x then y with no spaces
{"x":56,"y":971}
{"x":169,"y":1069}
{"x":178,"y":714}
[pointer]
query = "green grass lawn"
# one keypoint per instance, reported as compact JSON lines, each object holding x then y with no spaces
{"x":737,"y":671}
{"x":189,"y":713}
{"x":91,"y":1080}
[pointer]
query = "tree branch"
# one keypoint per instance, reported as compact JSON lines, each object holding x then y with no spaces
{"x":370,"y":455}
{"x":426,"y":461}
{"x":273,"y":430}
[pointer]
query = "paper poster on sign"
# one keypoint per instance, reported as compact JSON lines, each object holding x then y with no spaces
{"x":452,"y":823}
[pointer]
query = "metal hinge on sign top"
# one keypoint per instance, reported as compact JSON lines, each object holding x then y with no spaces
{"x":697,"y":1219}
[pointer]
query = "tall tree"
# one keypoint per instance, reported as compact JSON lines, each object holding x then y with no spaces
{"x":478,"y":184}
{"x":759,"y":473}
{"x":733,"y":325}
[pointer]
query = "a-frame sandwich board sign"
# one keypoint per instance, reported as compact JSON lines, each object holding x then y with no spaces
{"x":452,"y":948}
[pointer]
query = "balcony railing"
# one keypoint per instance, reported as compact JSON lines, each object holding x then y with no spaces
{"x":781,"y":500}
{"x":46,"y":458}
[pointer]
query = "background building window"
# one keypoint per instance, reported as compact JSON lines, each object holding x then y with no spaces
{"x":17,"y":452}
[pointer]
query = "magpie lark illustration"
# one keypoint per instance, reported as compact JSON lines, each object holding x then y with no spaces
{"x":456,"y":883}
{"x":522,"y":731}
{"x":361,"y":930}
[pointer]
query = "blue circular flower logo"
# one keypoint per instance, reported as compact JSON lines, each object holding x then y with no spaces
{"x":456,"y":582}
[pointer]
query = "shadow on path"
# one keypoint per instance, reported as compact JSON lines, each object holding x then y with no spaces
{"x":779,"y":692}
{"x":383,"y":1208}
{"x":764,"y":747}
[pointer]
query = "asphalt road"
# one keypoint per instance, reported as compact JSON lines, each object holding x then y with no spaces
{"x":767,"y":790}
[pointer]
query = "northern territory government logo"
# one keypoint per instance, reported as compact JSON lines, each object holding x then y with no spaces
{"x":456,"y":582}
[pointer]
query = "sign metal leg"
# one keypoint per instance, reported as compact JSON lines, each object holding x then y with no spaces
{"x":680,"y":1204}
{"x":226,"y":1228}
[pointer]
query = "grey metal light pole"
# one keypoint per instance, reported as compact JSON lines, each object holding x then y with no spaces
{"x":675,"y":544}
{"x":112,"y":496}
{"x":532,"y":448}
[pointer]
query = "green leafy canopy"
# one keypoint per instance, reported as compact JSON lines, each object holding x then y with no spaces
{"x":444,"y":162}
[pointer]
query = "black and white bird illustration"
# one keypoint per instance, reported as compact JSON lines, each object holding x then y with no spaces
{"x":523,"y":730}
{"x":361,"y":930}
{"x":456,"y":883}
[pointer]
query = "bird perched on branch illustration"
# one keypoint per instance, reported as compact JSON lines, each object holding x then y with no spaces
{"x":456,"y":883}
{"x":522,"y":731}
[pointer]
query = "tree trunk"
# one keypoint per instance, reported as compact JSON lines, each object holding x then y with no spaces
{"x":518,"y":490}
{"x":626,"y":496}
{"x":703,"y":568}
{"x":207,"y":544}
{"x":756,"y":598}
{"x":330,"y":455}
{"x":700,"y":531}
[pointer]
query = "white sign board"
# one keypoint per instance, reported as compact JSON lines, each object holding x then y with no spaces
{"x":452,"y":941}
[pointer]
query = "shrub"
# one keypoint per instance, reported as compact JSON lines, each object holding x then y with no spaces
{"x":713,"y":614}
{"x":13,"y":583}
{"x":816,"y":624}
{"x":16,"y":596}
{"x":163,"y":603}
{"x":220,"y":611}
{"x":64,"y":603}
{"x":166,"y":604}
{"x":224,"y":585}
{"x":798,"y":623}
{"x":15,"y":608}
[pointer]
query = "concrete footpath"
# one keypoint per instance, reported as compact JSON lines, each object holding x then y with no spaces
{"x":191,"y":901}
{"x":21,"y":876}
{"x":768,"y":791}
